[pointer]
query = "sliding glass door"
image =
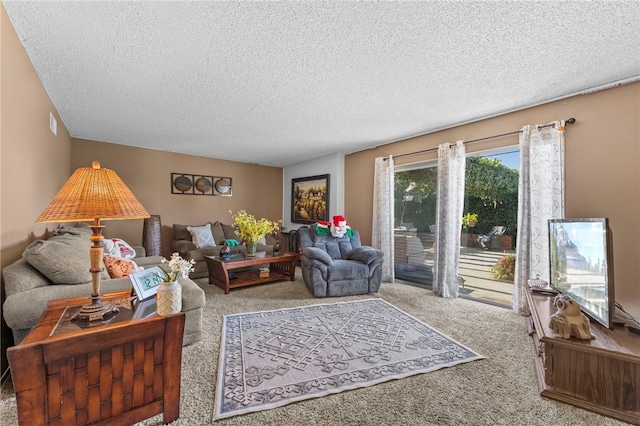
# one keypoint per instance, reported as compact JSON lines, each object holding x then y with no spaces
{"x":487,"y":238}
{"x":487,"y":244}
{"x":415,"y":212}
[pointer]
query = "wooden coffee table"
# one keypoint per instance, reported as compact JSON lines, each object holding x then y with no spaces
{"x":281,"y":267}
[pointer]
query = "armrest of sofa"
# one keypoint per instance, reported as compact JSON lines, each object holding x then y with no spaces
{"x":140,"y":251}
{"x":365,"y":254}
{"x":148,"y":261}
{"x":23,"y":310}
{"x":182,"y":247}
{"x":314,"y":253}
{"x":20,"y":276}
{"x":192,"y":295}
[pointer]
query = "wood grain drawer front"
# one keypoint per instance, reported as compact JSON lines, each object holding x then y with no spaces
{"x":610,"y":381}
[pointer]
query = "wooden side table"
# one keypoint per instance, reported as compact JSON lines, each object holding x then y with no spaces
{"x":117,"y":373}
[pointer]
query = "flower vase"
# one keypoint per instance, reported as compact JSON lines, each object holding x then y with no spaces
{"x":251,"y":248}
{"x":169,"y":298}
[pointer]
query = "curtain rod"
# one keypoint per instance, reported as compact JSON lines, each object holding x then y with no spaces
{"x":568,"y":121}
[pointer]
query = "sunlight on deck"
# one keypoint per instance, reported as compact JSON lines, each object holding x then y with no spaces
{"x":415,"y":264}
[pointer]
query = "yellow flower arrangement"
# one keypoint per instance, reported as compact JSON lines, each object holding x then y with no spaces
{"x":251,"y":229}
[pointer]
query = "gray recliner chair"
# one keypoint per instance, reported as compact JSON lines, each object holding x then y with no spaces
{"x":338,"y":266}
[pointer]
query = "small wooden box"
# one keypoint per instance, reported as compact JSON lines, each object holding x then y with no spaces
{"x":264,"y":272}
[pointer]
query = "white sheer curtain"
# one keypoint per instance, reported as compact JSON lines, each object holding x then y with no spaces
{"x":449,"y":205}
{"x":540,"y":197}
{"x":382,"y":224}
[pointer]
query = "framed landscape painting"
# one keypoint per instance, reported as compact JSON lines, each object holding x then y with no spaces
{"x":310,"y":199}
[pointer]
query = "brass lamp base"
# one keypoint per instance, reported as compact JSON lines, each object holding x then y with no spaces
{"x":96,"y":310}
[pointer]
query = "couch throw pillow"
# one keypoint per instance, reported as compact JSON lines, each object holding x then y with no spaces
{"x":201,"y":236}
{"x":119,"y":267}
{"x":118,"y":248}
{"x":180,"y":232}
{"x":218,"y":232}
{"x":63,"y":259}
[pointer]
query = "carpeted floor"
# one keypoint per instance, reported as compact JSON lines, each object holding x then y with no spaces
{"x":499,"y":390}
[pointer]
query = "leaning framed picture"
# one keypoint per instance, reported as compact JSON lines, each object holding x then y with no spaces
{"x":310,"y":199}
{"x":146,"y":282}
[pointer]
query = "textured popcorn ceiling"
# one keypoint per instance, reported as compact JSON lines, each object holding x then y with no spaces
{"x":279,"y":83}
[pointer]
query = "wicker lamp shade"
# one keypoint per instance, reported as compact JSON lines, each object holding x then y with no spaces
{"x":93,"y":193}
{"x":151,"y":240}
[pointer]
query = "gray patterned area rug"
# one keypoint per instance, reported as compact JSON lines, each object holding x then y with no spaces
{"x":272,"y":358}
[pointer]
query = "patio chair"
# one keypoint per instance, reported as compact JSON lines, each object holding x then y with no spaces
{"x":495,"y":231}
{"x":430,"y":237}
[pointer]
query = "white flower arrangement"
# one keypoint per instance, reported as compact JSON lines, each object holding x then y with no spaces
{"x":177,"y":267}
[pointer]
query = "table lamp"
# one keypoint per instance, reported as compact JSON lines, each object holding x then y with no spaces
{"x":92,"y":194}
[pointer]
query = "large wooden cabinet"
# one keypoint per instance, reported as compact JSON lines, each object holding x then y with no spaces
{"x":601,"y":375}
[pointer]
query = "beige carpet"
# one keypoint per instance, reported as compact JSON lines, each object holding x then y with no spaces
{"x":499,"y":390}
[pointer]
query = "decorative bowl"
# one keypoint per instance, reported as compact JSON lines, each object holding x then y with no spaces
{"x":537,"y":282}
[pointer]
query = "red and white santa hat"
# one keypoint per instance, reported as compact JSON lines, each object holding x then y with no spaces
{"x":339,"y":220}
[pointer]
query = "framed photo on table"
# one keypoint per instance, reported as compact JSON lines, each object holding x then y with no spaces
{"x":310,"y":199}
{"x":146,"y":282}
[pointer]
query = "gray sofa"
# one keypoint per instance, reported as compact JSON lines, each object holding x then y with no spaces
{"x":339,"y":266}
{"x":183,"y":244}
{"x":28,"y":290}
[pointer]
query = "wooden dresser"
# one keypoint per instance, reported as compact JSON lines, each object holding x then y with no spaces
{"x":117,"y":373}
{"x":601,"y":375}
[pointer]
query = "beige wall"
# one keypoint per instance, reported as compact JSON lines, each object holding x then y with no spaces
{"x":147,"y":173}
{"x":602,"y":169}
{"x":34,"y":163}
